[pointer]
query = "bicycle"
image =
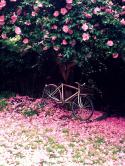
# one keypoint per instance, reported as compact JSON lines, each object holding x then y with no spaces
{"x":81,"y":103}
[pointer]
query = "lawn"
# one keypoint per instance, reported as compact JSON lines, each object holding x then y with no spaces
{"x":34,"y":134}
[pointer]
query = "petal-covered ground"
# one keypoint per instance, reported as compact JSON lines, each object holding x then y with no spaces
{"x":52,"y":138}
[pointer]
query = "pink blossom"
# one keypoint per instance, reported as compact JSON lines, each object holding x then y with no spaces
{"x":63,"y":11}
{"x":65,"y":28}
{"x":2,"y":20}
{"x":27,"y":23}
{"x":40,"y":5}
{"x":2,"y":4}
{"x":69,"y":6}
{"x":123,"y":0}
{"x":26,"y":41}
{"x":33,"y":13}
{"x":45,"y":48}
{"x":95,"y":37}
{"x":36,"y":8}
{"x":53,"y":38}
{"x":123,"y":7}
{"x":18,"y":30}
{"x":110,"y":3}
{"x":4,"y":36}
{"x":110,"y":11}
{"x":70,"y":31}
{"x":60,"y":55}
{"x":115,"y":55}
{"x":13,"y":18}
{"x":96,"y":10}
{"x":87,"y":15}
{"x":56,"y":48}
{"x":110,"y":43}
{"x":69,"y":1}
{"x":56,"y":14}
{"x":122,"y":21}
{"x":85,"y":36}
{"x":64,"y":42}
{"x":85,"y":27}
{"x":54,"y":27}
{"x":18,"y":12}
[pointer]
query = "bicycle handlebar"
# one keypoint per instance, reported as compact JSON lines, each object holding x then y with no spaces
{"x":80,"y":84}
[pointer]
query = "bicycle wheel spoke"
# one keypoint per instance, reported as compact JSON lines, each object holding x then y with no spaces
{"x":51,"y":92}
{"x":84,"y":109}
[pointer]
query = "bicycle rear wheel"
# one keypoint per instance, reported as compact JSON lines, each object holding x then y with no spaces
{"x":82,"y":109}
{"x":50,"y":91}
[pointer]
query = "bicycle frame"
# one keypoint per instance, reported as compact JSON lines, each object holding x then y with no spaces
{"x":61,"y":90}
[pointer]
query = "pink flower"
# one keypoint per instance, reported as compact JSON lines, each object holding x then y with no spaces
{"x":45,"y":48}
{"x":56,"y":14}
{"x":64,"y":42}
{"x":4,"y":36}
{"x":36,"y":8}
{"x":13,"y":18}
{"x":18,"y":12}
{"x":110,"y":43}
{"x":70,"y":31}
{"x":54,"y":27}
{"x":69,"y":1}
{"x":60,"y":55}
{"x":40,"y":5}
{"x":56,"y":48}
{"x":87,"y":15}
{"x":2,"y":4}
{"x":85,"y":27}
{"x":110,"y":11}
{"x":110,"y":3}
{"x":115,"y":55}
{"x":96,"y":10}
{"x":25,"y":41}
{"x":85,"y":36}
{"x":95,"y":37}
{"x":65,"y":28}
{"x":18,"y":30}
{"x":27,"y":23}
{"x":123,"y":7}
{"x":122,"y":21}
{"x":33,"y":13}
{"x":69,"y":6}
{"x":2,"y":20}
{"x":63,"y":11}
{"x":53,"y":38}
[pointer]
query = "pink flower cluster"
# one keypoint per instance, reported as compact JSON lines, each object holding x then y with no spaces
{"x":2,"y":20}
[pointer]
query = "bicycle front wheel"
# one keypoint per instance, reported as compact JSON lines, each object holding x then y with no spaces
{"x":50,"y":91}
{"x":83,"y":108}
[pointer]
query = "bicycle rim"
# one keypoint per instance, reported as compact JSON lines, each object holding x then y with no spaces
{"x":82,"y":109}
{"x":50,"y":92}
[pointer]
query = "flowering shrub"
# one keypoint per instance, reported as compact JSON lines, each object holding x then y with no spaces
{"x":79,"y":30}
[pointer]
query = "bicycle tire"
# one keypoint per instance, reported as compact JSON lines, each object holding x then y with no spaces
{"x":83,"y":109}
{"x":48,"y":92}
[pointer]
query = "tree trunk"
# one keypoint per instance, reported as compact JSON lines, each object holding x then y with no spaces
{"x":65,"y":70}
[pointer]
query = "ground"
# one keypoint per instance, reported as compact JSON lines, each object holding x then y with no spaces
{"x":51,"y":139}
